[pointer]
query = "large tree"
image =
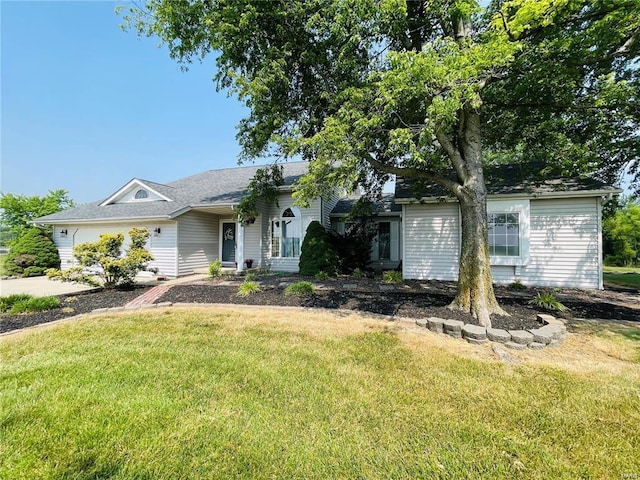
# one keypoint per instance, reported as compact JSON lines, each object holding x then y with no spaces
{"x":18,"y":211}
{"x":365,"y":89}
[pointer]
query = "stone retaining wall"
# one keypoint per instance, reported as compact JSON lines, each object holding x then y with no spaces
{"x":551,"y":333}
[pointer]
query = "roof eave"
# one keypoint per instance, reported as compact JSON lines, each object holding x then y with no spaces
{"x":518,"y":196}
{"x":71,"y":221}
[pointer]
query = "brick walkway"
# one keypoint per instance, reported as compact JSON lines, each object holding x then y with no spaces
{"x":149,"y":297}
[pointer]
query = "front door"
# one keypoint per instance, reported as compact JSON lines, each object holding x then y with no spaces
{"x":228,"y":242}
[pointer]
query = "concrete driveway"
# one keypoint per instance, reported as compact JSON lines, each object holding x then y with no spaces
{"x":43,"y":287}
{"x":39,"y":287}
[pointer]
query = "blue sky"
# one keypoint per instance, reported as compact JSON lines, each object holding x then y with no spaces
{"x":86,"y":106}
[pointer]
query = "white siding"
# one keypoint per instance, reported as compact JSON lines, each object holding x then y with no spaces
{"x":198,"y":243}
{"x":253,"y":241}
{"x":564,"y":244}
{"x":161,"y":246}
{"x":328,"y":205}
{"x":431,"y":242}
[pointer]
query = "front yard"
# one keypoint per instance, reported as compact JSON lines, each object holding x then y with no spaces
{"x":232,"y":392}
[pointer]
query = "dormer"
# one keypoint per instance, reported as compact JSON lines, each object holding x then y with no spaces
{"x":137,"y":191}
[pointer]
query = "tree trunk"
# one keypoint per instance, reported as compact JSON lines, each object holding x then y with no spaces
{"x":475,"y":283}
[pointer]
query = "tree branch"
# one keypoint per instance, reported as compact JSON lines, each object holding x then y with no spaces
{"x":454,"y":155}
{"x":450,"y":185}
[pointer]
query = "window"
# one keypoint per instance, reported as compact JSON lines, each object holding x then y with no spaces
{"x":504,"y":234}
{"x":286,"y":234}
{"x":384,"y":241}
{"x":141,"y":194}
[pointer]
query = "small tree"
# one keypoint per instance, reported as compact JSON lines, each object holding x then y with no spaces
{"x":317,"y":253}
{"x":622,"y":230}
{"x":32,"y":252}
{"x":114,"y":269}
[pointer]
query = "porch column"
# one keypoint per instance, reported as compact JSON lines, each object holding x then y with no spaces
{"x":239,"y":247}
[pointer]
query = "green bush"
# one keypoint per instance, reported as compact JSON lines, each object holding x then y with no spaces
{"x":391,"y":276}
{"x":32,"y":249}
{"x":7,"y":302}
{"x":299,"y":289}
{"x":357,"y":273}
{"x":76,"y":275}
{"x":250,"y":277}
{"x":516,"y":286}
{"x":33,"y":272}
{"x":322,"y":275}
{"x":317,"y":253}
{"x":247,"y":288}
{"x":22,"y":303}
{"x":116,"y":269}
{"x":548,"y":301}
{"x":215,"y":268}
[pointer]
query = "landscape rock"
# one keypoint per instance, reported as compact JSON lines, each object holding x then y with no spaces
{"x":476,"y":341}
{"x":435,"y":324}
{"x":498,"y":335}
{"x":542,"y":335}
{"x":421,"y":322}
{"x":504,"y":356}
{"x":453,"y":328}
{"x":537,"y":345}
{"x":515,"y":346}
{"x":521,"y":337}
{"x":474,"y":331}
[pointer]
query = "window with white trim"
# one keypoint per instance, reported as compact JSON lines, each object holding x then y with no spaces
{"x":141,"y":194}
{"x":504,"y":234}
{"x":286,"y":234}
{"x":508,"y":223}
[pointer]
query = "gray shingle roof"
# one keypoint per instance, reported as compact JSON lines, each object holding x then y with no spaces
{"x":386,"y":204}
{"x":210,"y":188}
{"x":523,"y":179}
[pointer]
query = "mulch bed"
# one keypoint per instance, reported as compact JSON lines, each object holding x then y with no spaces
{"x":70,"y":305}
{"x":413,"y":299}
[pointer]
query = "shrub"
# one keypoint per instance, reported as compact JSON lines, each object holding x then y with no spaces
{"x":7,"y":302}
{"x":32,"y":249}
{"x":76,"y":275}
{"x":391,"y":276}
{"x":322,"y":275}
{"x":548,"y":301}
{"x":317,"y":253}
{"x":106,"y":257}
{"x":299,"y":289}
{"x":247,"y":288}
{"x":250,"y":277}
{"x":355,"y":244}
{"x":357,"y":273}
{"x":215,"y":268}
{"x":23,"y":303}
{"x":33,"y":271}
{"x":516,"y":286}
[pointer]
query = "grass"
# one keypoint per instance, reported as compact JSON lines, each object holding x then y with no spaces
{"x":622,"y":276}
{"x":240,"y":393}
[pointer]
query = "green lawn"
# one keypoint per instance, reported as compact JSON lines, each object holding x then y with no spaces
{"x":622,"y":276}
{"x":213,"y":393}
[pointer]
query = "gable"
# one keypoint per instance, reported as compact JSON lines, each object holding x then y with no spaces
{"x":137,"y":191}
